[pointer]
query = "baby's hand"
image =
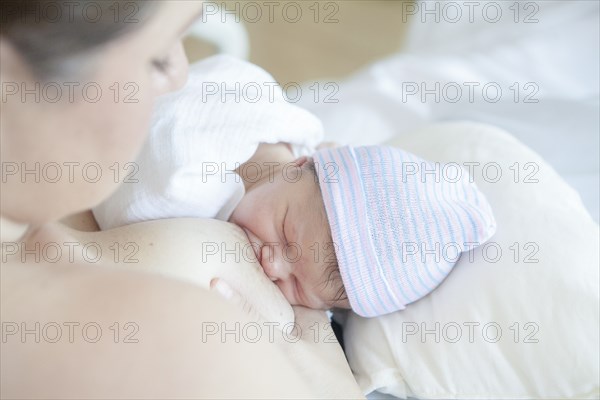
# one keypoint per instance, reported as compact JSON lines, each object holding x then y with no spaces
{"x":232,"y":295}
{"x":305,"y":319}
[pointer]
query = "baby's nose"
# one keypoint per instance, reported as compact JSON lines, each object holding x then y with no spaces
{"x":274,"y":264}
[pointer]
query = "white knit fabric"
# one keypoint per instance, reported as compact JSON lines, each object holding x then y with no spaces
{"x":199,"y":135}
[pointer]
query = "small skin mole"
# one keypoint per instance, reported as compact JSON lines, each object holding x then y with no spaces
{"x":151,"y":244}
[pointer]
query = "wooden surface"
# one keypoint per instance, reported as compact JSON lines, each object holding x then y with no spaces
{"x":331,"y":39}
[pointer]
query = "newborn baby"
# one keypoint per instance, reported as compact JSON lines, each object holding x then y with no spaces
{"x":357,"y":227}
{"x":285,"y":219}
{"x":362,"y":228}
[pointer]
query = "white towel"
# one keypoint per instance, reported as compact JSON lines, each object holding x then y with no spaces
{"x":211,"y":126}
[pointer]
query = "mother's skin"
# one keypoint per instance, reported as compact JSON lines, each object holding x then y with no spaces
{"x":170,"y":360}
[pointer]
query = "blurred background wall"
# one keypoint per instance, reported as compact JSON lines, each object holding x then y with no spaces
{"x":330,"y":39}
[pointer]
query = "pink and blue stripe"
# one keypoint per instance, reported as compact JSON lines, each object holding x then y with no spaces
{"x":374,"y":211}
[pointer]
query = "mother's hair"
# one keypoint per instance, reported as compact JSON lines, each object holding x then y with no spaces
{"x":56,"y":36}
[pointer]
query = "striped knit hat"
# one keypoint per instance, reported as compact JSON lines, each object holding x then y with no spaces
{"x":397,"y":224}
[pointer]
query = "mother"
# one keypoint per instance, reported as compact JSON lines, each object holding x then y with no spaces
{"x":78,"y":84}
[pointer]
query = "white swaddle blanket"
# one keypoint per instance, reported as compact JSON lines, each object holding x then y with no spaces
{"x":199,"y":135}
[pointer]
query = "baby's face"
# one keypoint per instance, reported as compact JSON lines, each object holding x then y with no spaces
{"x":286,"y":222}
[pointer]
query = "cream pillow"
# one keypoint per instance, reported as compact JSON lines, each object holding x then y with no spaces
{"x":520,"y":324}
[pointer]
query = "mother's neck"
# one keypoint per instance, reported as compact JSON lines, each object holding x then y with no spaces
{"x":11,"y":231}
